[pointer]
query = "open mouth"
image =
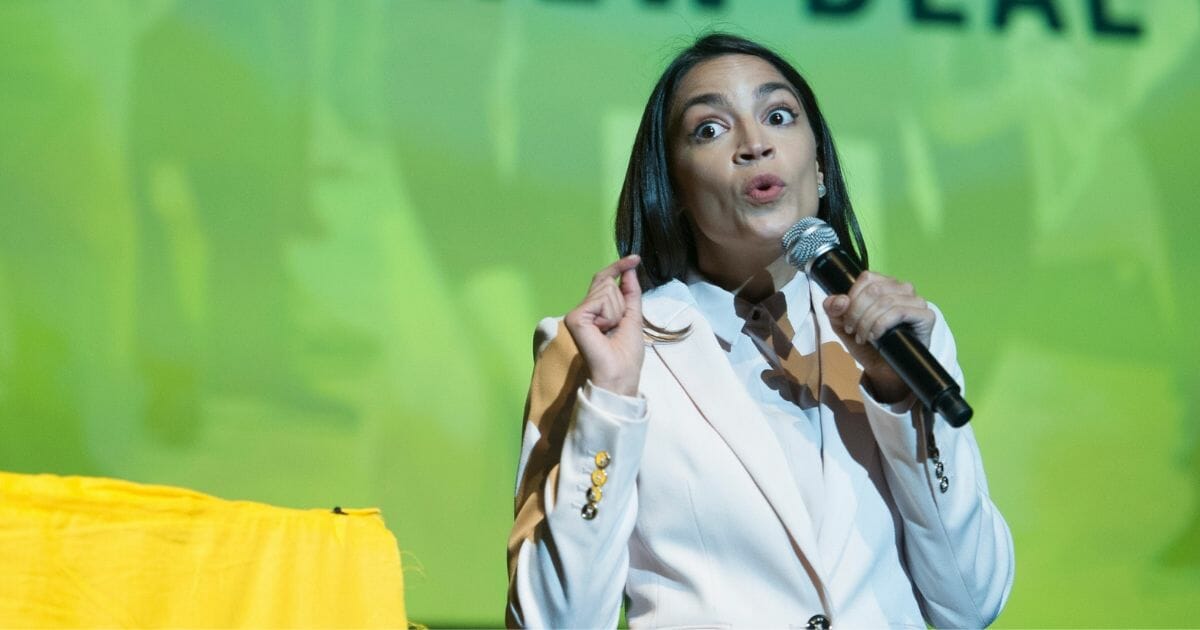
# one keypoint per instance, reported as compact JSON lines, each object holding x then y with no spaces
{"x":764,"y":188}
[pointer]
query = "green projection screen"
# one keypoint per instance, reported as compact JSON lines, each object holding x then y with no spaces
{"x":294,"y":252}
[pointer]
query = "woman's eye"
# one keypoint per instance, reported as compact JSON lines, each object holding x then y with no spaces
{"x":708,"y":131}
{"x":781,"y":116}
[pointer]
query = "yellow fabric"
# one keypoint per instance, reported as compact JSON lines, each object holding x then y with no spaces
{"x":85,"y":552}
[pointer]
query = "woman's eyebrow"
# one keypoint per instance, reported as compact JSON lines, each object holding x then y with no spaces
{"x":714,"y":99}
{"x":767,"y":88}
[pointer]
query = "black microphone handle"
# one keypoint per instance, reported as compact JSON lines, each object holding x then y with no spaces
{"x":836,"y":272}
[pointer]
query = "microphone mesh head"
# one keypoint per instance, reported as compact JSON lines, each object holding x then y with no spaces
{"x":808,"y":238}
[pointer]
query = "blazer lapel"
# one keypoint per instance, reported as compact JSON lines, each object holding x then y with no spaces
{"x":843,"y":416}
{"x":840,"y":374}
{"x":704,"y":373}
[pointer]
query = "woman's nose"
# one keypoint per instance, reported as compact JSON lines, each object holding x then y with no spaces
{"x":752,"y":149}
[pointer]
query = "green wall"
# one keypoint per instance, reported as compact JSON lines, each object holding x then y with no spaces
{"x":294,"y":252}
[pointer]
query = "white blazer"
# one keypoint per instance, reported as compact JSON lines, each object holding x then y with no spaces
{"x":701,"y":523}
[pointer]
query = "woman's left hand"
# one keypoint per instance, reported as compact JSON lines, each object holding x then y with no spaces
{"x":874,"y":305}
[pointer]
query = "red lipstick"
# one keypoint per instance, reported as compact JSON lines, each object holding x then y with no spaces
{"x":764,"y":188}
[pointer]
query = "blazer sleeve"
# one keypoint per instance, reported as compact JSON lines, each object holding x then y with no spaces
{"x":566,"y":570}
{"x":957,"y":546}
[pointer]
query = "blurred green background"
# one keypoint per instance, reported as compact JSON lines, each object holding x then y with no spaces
{"x":294,"y":252}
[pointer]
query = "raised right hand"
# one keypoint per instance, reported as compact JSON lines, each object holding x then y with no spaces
{"x":607,"y":327}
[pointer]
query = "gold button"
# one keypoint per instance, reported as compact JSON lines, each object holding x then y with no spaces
{"x":594,"y":494}
{"x":602,"y":459}
{"x":599,"y":477}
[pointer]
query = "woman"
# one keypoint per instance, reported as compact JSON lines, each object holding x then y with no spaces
{"x":728,"y":449}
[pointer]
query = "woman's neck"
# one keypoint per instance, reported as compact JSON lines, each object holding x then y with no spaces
{"x":752,"y":280}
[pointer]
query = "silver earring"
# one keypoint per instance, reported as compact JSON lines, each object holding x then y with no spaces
{"x":820,"y":191}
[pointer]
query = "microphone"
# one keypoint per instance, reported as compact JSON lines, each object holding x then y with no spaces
{"x":813,"y":247}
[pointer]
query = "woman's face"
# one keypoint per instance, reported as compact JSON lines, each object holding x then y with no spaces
{"x":742,"y":157}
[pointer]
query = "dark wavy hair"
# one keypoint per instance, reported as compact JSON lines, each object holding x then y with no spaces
{"x":650,"y":223}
